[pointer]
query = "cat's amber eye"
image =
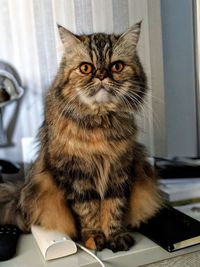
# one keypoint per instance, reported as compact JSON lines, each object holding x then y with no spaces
{"x":117,"y":66}
{"x":86,"y":68}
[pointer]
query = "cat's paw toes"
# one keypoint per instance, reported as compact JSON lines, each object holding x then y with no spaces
{"x":95,"y":241}
{"x":120,"y":242}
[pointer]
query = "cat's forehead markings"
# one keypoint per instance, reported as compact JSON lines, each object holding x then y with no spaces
{"x":100,"y":45}
{"x":96,"y":51}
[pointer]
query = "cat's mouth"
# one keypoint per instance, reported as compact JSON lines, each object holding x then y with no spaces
{"x":102,"y":94}
{"x":99,"y":95}
{"x":97,"y":88}
{"x":102,"y":87}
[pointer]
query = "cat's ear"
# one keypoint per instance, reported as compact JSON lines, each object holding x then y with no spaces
{"x":67,"y":37}
{"x":129,"y":39}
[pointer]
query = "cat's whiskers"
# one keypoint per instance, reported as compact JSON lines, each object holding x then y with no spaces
{"x":128,"y":104}
{"x":144,"y":105}
{"x":147,"y":93}
{"x":125,"y":101}
{"x":149,"y":107}
{"x":137,"y":106}
{"x":66,"y":108}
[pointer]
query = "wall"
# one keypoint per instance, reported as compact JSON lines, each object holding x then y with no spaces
{"x":27,"y":30}
{"x":179,"y":72}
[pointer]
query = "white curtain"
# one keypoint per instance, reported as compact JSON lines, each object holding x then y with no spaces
{"x":28,"y":40}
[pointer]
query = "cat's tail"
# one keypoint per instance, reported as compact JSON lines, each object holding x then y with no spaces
{"x":10,"y":212}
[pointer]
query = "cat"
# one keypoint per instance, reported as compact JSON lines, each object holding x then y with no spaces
{"x":91,"y":178}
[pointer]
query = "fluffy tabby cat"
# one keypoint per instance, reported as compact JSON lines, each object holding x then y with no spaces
{"x":91,"y":178}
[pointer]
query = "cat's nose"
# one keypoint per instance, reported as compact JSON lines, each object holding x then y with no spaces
{"x":101,"y":74}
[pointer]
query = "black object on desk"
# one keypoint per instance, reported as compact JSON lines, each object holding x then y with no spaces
{"x":8,"y":167}
{"x":9,"y":235}
{"x":172,"y":229}
{"x":178,"y":167}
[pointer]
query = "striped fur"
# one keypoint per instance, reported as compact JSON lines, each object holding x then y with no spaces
{"x":91,"y":178}
{"x":10,"y":211}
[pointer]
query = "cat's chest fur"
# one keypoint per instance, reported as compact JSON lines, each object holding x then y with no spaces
{"x":110,"y":136}
{"x":86,"y":158}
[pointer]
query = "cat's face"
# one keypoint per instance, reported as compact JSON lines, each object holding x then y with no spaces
{"x":103,"y":70}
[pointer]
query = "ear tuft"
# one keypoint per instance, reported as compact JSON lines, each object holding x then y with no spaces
{"x":132,"y":35}
{"x":127,"y":42}
{"x":67,"y":37}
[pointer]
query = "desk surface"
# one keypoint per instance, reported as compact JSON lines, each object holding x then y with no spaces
{"x":144,"y":252}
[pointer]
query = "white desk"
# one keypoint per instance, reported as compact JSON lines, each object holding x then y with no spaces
{"x":144,"y":252}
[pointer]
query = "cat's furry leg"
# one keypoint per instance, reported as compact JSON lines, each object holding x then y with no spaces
{"x":89,"y":216}
{"x":43,"y":203}
{"x":144,"y":200}
{"x":112,"y":214}
{"x":10,"y":212}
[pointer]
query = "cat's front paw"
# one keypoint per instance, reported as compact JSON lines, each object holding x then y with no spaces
{"x":121,"y":241}
{"x":95,"y":240}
